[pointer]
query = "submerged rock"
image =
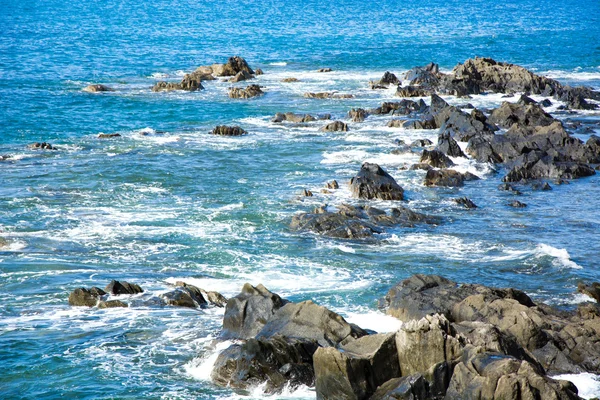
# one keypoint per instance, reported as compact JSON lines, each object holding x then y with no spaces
{"x":223,"y":130}
{"x":97,"y":89}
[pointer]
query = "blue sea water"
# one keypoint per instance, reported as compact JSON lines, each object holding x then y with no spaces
{"x":168,"y":202}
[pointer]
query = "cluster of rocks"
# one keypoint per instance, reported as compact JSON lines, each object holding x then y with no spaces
{"x":456,"y":342}
{"x":236,"y":67}
{"x":184,"y":295}
{"x":41,"y":146}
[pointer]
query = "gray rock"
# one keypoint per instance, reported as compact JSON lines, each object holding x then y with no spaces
{"x":436,"y":159}
{"x":223,"y":130}
{"x":444,"y":177}
{"x":372,"y":182}
{"x":248,"y":92}
{"x":85,"y":297}
{"x":122,"y":287}
{"x":336,"y":126}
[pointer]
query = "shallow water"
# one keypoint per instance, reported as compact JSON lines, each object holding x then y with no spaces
{"x":167,"y":202}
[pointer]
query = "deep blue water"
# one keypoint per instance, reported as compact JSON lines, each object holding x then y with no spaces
{"x":183,"y":205}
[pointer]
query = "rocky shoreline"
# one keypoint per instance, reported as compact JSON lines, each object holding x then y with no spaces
{"x":457,"y":341}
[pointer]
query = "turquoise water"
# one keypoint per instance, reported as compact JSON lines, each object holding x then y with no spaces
{"x":178,"y":204}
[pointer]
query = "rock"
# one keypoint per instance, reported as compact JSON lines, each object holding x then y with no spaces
{"x":335,"y":225}
{"x":426,"y":342}
{"x":592,"y":290}
{"x":404,"y":107}
{"x":421,"y":143}
{"x":215,"y":298}
{"x":530,"y":115}
{"x":545,"y":103}
{"x":495,"y":376}
{"x":517,"y":204}
{"x":276,"y":362}
{"x":468,"y":177}
{"x":231,"y":68}
{"x":41,"y":146}
{"x":508,"y":187}
{"x":386,"y":80}
{"x":248,"y":92}
{"x":307,"y":193}
{"x":547,"y":168}
{"x":357,"y":114}
{"x":163,"y":86}
{"x":396,"y":123}
{"x":327,"y":95}
{"x":427,"y":76}
{"x":97,"y":89}
{"x":289,"y":80}
{"x":336,"y":126}
{"x":373,"y":182}
{"x":241,"y":76}
{"x":309,"y":321}
{"x":108,"y":135}
{"x":412,"y":91}
{"x":356,"y":370}
{"x":190,"y":82}
{"x":116,"y":288}
{"x":291,"y":117}
{"x":249,"y":311}
{"x":333,"y":185}
{"x":525,"y":100}
{"x":85,"y":297}
{"x":223,"y":130}
{"x":182,"y":297}
{"x":407,"y":217}
{"x":112,"y":304}
{"x":436,"y":159}
{"x":203,"y":297}
{"x":324,"y":70}
{"x":465,"y":202}
{"x":412,"y":387}
{"x":448,"y":146}
{"x":420,"y":166}
{"x":545,"y":186}
{"x":258,"y":71}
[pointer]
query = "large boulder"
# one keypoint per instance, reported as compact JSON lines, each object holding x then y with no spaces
{"x":223,"y":130}
{"x":386,"y":80}
{"x":357,"y":369}
{"x":372,"y":182}
{"x":436,"y":159}
{"x":427,"y":76}
{"x":86,"y":297}
{"x":447,"y":145}
{"x":444,"y":177}
{"x":495,"y":376}
{"x":247,"y":313}
{"x":122,"y":287}
{"x":357,"y":114}
{"x":233,"y":66}
{"x":335,"y":126}
{"x":523,"y":115}
{"x":412,"y":91}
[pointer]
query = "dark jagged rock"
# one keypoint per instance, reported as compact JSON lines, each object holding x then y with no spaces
{"x":336,"y":126}
{"x":357,"y":114}
{"x":41,"y":146}
{"x":386,"y":80}
{"x":223,"y":130}
{"x":444,"y":177}
{"x":448,"y":146}
{"x":122,"y":287}
{"x":372,"y":182}
{"x":248,"y":92}
{"x":307,"y":193}
{"x":356,"y":370}
{"x":404,"y":107}
{"x":420,"y":166}
{"x":530,"y":115}
{"x":412,"y":91}
{"x":543,"y":186}
{"x":249,"y":311}
{"x":276,"y":361}
{"x":526,"y":100}
{"x":97,"y":89}
{"x":233,"y":66}
{"x":185,"y":296}
{"x":328,"y":95}
{"x":241,"y":76}
{"x":258,"y":71}
{"x":325,"y":70}
{"x":203,"y":297}
{"x":291,"y":117}
{"x":333,"y":185}
{"x":427,"y":76}
{"x":465,"y":202}
{"x":86,"y":297}
{"x":108,"y":135}
{"x":436,"y":159}
{"x":547,"y":168}
{"x":592,"y":290}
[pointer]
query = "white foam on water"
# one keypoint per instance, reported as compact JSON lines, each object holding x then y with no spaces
{"x":572,"y":75}
{"x":158,"y":75}
{"x":587,"y":384}
{"x":279,"y":64}
{"x":451,"y":247}
{"x":561,"y":256}
{"x":346,"y":249}
{"x":201,"y":367}
{"x":374,"y":320}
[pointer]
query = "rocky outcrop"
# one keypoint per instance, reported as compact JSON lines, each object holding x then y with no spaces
{"x":335,"y":126}
{"x":592,"y":290}
{"x":86,"y":297}
{"x":448,"y":146}
{"x":233,"y":66}
{"x":97,"y":89}
{"x":412,"y":91}
{"x":122,"y":287}
{"x":560,"y":342}
{"x":427,"y":77}
{"x":372,"y":182}
{"x":436,"y":159}
{"x":223,"y":130}
{"x":404,"y":107}
{"x":356,"y":222}
{"x":249,"y":311}
{"x":291,"y":117}
{"x":248,"y":92}
{"x":386,"y":80}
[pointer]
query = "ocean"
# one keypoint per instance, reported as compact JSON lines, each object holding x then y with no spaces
{"x":167,"y":202}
